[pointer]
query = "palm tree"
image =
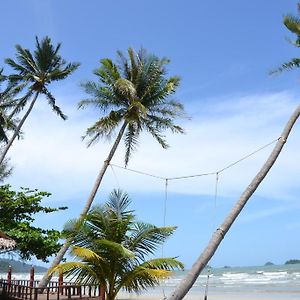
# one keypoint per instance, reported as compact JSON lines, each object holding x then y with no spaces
{"x":112,"y":247}
{"x":132,"y":96}
{"x":7,"y":104}
{"x":293,"y":24}
{"x":34,"y":72}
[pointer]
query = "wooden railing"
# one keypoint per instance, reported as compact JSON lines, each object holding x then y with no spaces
{"x":26,"y":289}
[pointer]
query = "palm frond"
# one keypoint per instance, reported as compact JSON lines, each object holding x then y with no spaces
{"x":166,"y":263}
{"x":52,"y":102}
{"x":292,"y":23}
{"x":114,"y":247}
{"x":118,"y":203}
{"x":131,"y":141}
{"x":146,"y":238}
{"x":288,"y":66}
{"x":86,"y":254}
{"x":104,"y":127}
{"x":80,"y":272}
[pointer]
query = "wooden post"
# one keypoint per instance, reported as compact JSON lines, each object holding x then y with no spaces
{"x":9,"y":281}
{"x":60,"y":282}
{"x":102,"y":293}
{"x":9,"y":275}
{"x":31,"y":277}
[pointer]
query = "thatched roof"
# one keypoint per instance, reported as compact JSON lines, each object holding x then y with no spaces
{"x":6,"y":242}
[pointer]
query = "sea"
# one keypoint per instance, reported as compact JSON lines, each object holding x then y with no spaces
{"x":274,"y":281}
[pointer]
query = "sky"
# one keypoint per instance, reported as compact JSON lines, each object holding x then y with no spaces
{"x":224,"y":52}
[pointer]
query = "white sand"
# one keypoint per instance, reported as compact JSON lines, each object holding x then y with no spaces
{"x":219,"y":296}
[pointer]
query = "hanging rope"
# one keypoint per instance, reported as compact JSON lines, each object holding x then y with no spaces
{"x":206,"y":287}
{"x":115,"y":175}
{"x":164,"y":224}
{"x":215,"y":200}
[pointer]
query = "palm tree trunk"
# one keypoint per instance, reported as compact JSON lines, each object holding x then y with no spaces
{"x":184,"y":286}
{"x":18,"y":129}
{"x":45,"y":280}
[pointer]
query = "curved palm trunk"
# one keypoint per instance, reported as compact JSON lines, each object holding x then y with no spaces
{"x":18,"y":129}
{"x":45,"y":280}
{"x":185,"y":285}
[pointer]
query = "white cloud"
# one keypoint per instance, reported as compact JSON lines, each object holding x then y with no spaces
{"x":53,"y":157}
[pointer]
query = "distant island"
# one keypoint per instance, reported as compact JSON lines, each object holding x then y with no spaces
{"x":269,"y":263}
{"x":18,"y":266}
{"x":292,"y":262}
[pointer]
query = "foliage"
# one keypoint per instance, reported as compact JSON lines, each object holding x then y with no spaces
{"x":134,"y":90}
{"x":34,"y":71}
{"x":112,"y":248}
{"x":292,"y":23}
{"x":292,"y":262}
{"x":7,"y":103}
{"x":5,"y":169}
{"x":17,"y":211}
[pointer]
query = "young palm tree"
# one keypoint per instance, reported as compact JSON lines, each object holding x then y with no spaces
{"x":293,"y":24}
{"x":34,"y":72}
{"x":112,"y":247}
{"x":132,"y":96}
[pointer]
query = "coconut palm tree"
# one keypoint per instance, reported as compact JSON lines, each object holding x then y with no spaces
{"x":7,"y":104}
{"x":293,"y":24}
{"x":34,"y":72}
{"x":132,"y":96}
{"x":112,"y":248}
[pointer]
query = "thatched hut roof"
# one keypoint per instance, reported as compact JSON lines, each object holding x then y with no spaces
{"x":6,"y":242}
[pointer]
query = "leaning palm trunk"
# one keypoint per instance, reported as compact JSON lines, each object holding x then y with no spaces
{"x":18,"y":128}
{"x":45,"y":280}
{"x":185,"y":285}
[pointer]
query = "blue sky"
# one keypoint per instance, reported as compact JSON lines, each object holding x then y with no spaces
{"x":223,"y":51}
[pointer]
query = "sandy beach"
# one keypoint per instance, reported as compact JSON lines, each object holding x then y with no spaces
{"x":218,"y":296}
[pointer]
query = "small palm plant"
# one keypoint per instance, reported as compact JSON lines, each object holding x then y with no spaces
{"x":112,"y":248}
{"x":33,"y":73}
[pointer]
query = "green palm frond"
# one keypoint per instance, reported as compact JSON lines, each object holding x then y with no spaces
{"x":131,"y":141}
{"x":118,"y":203}
{"x":7,"y":108}
{"x":81,"y":272}
{"x":52,"y":103}
{"x":86,"y":254}
{"x":292,"y":64}
{"x":104,"y":127}
{"x":146,"y":238}
{"x":114,"y":247}
{"x":166,"y":263}
{"x":292,"y":23}
{"x":126,"y":88}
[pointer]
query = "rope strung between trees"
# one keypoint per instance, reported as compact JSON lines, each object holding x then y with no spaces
{"x":201,"y":174}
